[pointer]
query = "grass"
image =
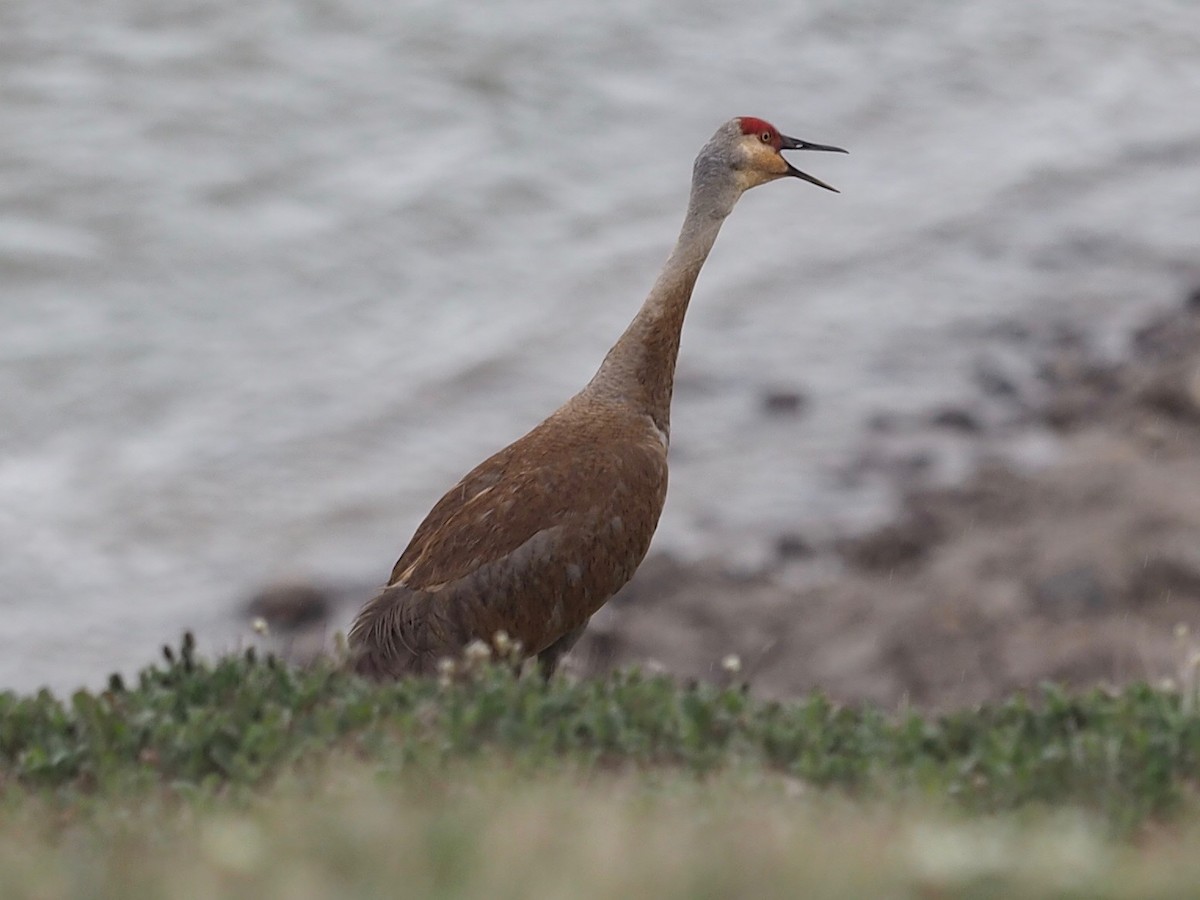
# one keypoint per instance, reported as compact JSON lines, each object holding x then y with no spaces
{"x":484,"y":831}
{"x":244,"y":777}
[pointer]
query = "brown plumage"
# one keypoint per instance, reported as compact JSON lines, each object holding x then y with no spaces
{"x":537,"y":537}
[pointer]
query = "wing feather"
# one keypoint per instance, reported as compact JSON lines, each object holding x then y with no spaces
{"x":543,"y":481}
{"x":532,"y":541}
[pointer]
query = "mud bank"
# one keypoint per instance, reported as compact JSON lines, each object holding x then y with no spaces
{"x":1070,"y":553}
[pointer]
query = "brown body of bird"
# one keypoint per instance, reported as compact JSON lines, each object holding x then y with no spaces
{"x":533,"y":540}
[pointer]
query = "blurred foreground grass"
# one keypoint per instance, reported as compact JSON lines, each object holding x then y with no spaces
{"x":240,"y":777}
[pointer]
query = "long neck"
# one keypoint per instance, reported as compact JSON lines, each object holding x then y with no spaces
{"x":640,"y":368}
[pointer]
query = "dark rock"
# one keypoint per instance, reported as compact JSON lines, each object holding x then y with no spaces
{"x":1167,"y":337}
{"x":783,"y":402}
{"x":1073,"y":592}
{"x":1080,"y":388}
{"x":882,"y":423}
{"x":996,"y":495}
{"x":793,"y":546}
{"x":893,"y":547}
{"x":994,"y":383}
{"x":1192,"y":301}
{"x":1171,"y":396}
{"x":1169,"y":574}
{"x":954,"y":419}
{"x":287,"y":606}
{"x":1069,"y":408}
{"x":1064,"y":335}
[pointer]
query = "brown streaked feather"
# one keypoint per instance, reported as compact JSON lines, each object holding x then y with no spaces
{"x":554,"y":476}
{"x":530,"y":542}
{"x":482,"y":478}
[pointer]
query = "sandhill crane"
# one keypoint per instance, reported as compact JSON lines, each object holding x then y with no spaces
{"x":535,"y":539}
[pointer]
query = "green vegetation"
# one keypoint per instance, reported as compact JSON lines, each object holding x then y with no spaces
{"x":245,"y":777}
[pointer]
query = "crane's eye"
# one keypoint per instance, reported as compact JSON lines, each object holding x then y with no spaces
{"x":766,"y":137}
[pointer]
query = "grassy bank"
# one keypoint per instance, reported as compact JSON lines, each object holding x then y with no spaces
{"x":245,"y":777}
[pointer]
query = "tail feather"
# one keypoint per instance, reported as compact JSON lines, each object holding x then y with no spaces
{"x":394,"y":635}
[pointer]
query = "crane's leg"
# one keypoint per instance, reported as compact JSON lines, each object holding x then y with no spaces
{"x":549,"y":658}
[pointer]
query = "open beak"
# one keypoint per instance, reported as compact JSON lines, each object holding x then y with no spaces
{"x":790,"y":143}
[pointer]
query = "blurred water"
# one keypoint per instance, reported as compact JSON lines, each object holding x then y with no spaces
{"x":273,"y":275}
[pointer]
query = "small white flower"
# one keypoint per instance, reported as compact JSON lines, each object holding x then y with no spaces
{"x":477,"y":652}
{"x":259,"y":624}
{"x":732,"y":664}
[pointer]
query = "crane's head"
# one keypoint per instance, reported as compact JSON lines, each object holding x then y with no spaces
{"x":755,"y":152}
